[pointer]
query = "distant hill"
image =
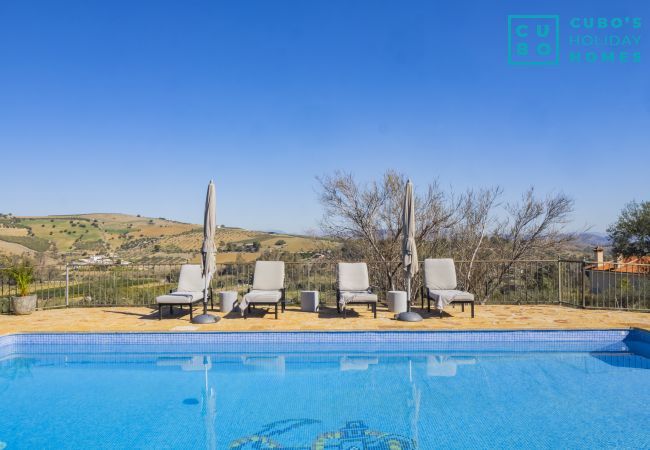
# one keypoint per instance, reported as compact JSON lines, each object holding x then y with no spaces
{"x":594,"y":239}
{"x":583,"y":244}
{"x":159,"y":240}
{"x":140,"y":239}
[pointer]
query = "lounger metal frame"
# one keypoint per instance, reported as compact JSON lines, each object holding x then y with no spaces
{"x":428,"y":297}
{"x":281,"y":301}
{"x":191,"y":305}
{"x":371,"y":304}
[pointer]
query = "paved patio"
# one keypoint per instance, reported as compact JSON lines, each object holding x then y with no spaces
{"x":487,"y":317}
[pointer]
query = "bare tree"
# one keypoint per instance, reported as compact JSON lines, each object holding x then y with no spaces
{"x":367,"y":219}
{"x":533,"y":228}
{"x":476,"y":222}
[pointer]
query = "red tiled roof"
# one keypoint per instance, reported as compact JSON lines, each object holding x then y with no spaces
{"x":633,"y":264}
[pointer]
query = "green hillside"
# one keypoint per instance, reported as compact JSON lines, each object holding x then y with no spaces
{"x":140,"y":239}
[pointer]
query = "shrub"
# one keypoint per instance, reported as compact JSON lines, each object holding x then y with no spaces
{"x":23,"y":275}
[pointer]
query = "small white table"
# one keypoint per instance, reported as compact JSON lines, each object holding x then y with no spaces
{"x":397,"y":301}
{"x":309,"y":301}
{"x":227,"y":300}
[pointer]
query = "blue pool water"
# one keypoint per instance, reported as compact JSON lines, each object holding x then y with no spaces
{"x":389,"y":390}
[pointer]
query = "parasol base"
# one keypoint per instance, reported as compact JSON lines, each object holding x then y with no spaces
{"x":206,"y":318}
{"x":408,"y":316}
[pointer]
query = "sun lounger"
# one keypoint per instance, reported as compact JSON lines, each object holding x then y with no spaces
{"x":189,"y":291}
{"x":354,"y":287}
{"x":440,"y":285}
{"x":268,"y":287}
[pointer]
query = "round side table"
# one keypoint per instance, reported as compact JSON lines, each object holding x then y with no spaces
{"x":397,"y":301}
{"x":309,"y":301}
{"x":227,"y":300}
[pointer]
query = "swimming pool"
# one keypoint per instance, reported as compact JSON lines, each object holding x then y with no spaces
{"x":318,"y":390}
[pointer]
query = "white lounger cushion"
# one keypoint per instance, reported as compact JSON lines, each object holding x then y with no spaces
{"x":190,"y":287}
{"x":357,"y":297}
{"x":190,"y":278}
{"x":440,"y":279}
{"x":440,"y":274}
{"x":353,"y":277}
{"x":268,"y":282}
{"x":444,"y":297}
{"x":259,"y":296}
{"x":354,"y":284}
{"x":177,"y":298}
{"x":268,"y":276}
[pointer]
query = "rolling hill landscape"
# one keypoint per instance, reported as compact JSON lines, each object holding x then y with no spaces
{"x":147,"y":240}
{"x":139,"y":239}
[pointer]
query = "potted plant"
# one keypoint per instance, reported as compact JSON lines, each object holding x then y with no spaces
{"x":23,"y":275}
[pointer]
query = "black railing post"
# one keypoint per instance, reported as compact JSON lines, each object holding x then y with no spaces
{"x":67,"y":285}
{"x":583,"y":292}
{"x":559,"y":282}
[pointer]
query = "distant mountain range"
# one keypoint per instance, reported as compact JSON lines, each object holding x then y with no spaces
{"x":594,"y":239}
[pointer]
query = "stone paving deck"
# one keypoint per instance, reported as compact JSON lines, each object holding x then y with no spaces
{"x":487,"y":317}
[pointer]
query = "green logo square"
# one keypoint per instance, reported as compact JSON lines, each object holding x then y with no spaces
{"x":533,"y":39}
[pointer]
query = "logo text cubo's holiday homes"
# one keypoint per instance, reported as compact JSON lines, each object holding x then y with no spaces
{"x":549,"y":39}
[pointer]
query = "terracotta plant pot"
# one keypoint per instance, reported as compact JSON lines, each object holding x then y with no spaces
{"x":23,"y":305}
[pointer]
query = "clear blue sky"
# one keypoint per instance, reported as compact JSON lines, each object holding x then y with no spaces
{"x":133,"y":106}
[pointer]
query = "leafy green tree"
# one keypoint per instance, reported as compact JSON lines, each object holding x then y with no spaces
{"x":630,"y":234}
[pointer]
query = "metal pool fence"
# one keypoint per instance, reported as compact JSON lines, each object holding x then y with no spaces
{"x":569,"y":282}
